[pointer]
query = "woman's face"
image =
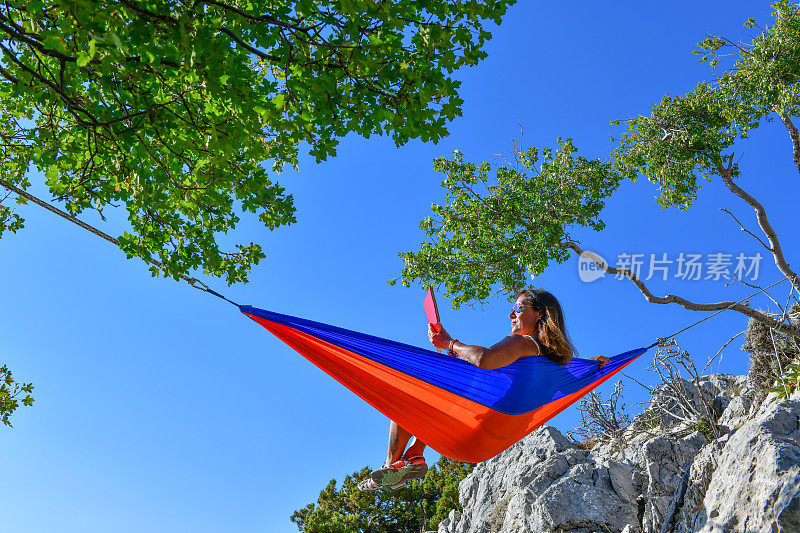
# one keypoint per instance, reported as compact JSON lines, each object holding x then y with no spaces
{"x":524,"y":321}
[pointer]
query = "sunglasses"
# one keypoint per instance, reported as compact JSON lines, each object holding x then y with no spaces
{"x":519,"y":308}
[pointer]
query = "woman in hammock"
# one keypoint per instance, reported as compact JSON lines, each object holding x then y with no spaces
{"x":537,"y":328}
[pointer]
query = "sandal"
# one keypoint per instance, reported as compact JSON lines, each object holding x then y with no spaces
{"x":401,"y":471}
{"x":369,"y":485}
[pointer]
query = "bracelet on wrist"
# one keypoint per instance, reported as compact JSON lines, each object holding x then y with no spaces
{"x":450,"y":347}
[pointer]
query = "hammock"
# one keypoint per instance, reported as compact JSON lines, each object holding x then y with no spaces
{"x":461,"y":411}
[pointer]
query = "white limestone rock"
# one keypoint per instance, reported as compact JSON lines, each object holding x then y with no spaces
{"x":738,"y":409}
{"x":531,"y":465}
{"x":546,"y":483}
{"x":666,"y":463}
{"x":756,"y":484}
{"x":448,"y":525}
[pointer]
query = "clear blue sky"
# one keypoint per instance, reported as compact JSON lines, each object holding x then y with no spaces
{"x":161,"y":409}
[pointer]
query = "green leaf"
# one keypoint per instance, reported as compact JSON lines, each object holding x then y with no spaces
{"x":54,"y":42}
{"x":117,"y":42}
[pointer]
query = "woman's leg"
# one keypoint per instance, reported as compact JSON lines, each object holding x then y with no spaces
{"x":397,"y":477}
{"x":415,"y":449}
{"x":398,"y":438}
{"x":393,"y":475}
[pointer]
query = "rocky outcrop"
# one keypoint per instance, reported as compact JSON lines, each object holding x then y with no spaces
{"x":757,"y":479}
{"x":747,"y":479}
{"x":543,"y":483}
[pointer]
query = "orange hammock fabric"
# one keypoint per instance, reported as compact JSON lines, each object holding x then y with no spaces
{"x":461,"y":411}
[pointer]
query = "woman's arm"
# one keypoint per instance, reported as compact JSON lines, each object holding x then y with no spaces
{"x":501,"y":354}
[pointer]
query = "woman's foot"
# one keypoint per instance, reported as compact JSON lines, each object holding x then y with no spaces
{"x":369,"y":485}
{"x":401,"y":471}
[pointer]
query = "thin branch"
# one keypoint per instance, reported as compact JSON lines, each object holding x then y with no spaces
{"x":648,"y":389}
{"x":251,"y":18}
{"x":69,"y":102}
{"x":7,"y":75}
{"x":32,"y":42}
{"x":760,"y":289}
{"x":778,"y":359}
{"x":247,"y":47}
{"x":741,"y":226}
{"x":149,"y":14}
{"x":721,"y":349}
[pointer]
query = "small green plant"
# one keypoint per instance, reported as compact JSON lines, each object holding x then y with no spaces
{"x":649,"y":420}
{"x":787,"y":383}
{"x":706,"y":428}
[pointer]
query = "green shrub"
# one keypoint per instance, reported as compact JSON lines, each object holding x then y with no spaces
{"x":424,"y":503}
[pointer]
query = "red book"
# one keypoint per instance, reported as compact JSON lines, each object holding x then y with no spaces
{"x":431,"y":310}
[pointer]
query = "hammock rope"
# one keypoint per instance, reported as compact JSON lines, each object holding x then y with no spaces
{"x":662,"y":340}
{"x":196,"y":283}
{"x":218,"y":295}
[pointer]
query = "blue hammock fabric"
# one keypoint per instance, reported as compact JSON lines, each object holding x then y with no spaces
{"x":462,"y":411}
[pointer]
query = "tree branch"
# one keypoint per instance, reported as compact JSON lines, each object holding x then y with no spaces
{"x":711,"y":360}
{"x":251,"y":18}
{"x":756,"y":237}
{"x":247,"y":47}
{"x":145,"y":13}
{"x":7,"y":75}
{"x":758,"y":287}
{"x":33,"y":43}
{"x":763,"y":222}
{"x":794,"y":135}
{"x":72,"y":108}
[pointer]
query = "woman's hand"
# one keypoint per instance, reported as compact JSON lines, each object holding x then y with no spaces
{"x":603,"y":359}
{"x":441,"y":339}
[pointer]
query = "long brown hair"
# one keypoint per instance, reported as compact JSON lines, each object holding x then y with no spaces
{"x":550,"y":329}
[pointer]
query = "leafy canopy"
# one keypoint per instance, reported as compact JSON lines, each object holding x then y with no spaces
{"x":424,"y":503}
{"x":492,"y":232}
{"x":495,"y":229}
{"x":691,"y":136}
{"x":181,"y":112}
